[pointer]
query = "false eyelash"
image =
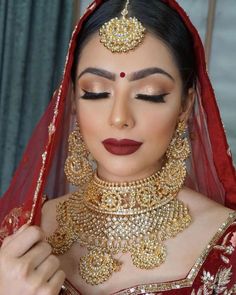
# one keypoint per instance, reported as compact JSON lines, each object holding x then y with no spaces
{"x":93,"y":95}
{"x":152,"y":98}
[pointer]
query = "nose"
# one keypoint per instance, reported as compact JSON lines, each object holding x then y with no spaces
{"x":121,"y":114}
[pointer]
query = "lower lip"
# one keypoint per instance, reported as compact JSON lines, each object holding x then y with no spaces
{"x":121,"y":150}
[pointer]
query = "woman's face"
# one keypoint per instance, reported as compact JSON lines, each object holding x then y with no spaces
{"x":127,"y":107}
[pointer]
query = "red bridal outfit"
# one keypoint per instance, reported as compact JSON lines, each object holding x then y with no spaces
{"x":210,"y":172}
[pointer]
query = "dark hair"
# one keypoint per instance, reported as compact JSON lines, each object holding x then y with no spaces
{"x":159,"y":19}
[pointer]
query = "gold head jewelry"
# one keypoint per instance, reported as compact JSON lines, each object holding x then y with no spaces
{"x":135,"y":217}
{"x":122,"y":35}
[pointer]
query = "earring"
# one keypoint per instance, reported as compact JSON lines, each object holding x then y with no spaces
{"x":179,"y":148}
{"x":77,"y":168}
{"x":173,"y":173}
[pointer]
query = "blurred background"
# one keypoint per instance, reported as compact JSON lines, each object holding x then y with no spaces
{"x":34,"y":37}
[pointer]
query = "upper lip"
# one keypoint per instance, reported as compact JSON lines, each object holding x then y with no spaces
{"x":121,"y":142}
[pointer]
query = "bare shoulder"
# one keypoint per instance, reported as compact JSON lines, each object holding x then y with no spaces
{"x":48,"y":214}
{"x":204,"y":210}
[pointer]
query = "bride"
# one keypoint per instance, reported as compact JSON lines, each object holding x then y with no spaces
{"x":150,"y":204}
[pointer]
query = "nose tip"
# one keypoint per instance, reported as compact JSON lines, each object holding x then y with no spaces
{"x":124,"y":121}
{"x":121,"y":115}
{"x":120,"y":123}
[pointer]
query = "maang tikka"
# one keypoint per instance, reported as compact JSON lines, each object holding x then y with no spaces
{"x":78,"y":167}
{"x":137,"y":217}
{"x":122,"y":34}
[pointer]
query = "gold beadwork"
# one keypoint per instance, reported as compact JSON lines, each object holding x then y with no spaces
{"x":148,"y":254}
{"x":141,"y":234}
{"x":98,"y":266}
{"x":78,"y":169}
{"x":122,"y":35}
{"x":136,"y":217}
{"x":136,"y":197}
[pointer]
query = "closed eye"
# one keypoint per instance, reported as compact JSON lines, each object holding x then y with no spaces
{"x":152,"y":98}
{"x":94,"y":95}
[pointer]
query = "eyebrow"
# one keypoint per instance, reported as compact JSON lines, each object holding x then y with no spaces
{"x":99,"y":72}
{"x":148,"y":72}
{"x":131,"y":77}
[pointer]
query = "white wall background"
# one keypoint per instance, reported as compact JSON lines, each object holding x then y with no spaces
{"x":222,"y":67}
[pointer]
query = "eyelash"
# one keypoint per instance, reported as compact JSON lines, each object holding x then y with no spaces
{"x":101,"y":95}
{"x":152,"y":98}
{"x":92,"y":95}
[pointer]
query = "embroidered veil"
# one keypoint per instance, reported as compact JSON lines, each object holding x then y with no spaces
{"x":41,"y":170}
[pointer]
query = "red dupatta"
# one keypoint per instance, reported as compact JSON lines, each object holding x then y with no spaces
{"x":211,"y":170}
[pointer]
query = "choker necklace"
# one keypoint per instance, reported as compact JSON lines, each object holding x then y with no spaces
{"x":110,"y":218}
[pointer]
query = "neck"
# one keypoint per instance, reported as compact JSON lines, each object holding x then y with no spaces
{"x":111,"y":176}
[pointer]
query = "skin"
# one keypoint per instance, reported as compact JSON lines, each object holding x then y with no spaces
{"x":122,"y":115}
{"x":25,"y":257}
{"x":27,"y":265}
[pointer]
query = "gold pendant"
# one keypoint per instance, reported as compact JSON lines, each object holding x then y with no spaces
{"x":122,"y":34}
{"x":148,"y":254}
{"x":61,"y":240}
{"x":96,"y":267}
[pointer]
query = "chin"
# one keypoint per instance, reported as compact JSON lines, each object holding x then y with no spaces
{"x":124,"y":171}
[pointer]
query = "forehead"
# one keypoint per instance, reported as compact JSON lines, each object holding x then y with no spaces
{"x":151,"y":53}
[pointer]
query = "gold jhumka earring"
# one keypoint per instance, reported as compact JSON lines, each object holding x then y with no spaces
{"x":132,"y":217}
{"x":78,"y":168}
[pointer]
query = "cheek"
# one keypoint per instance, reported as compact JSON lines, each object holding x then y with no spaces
{"x":88,"y":119}
{"x":160,"y":125}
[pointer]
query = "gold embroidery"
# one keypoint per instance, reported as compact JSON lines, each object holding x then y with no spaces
{"x":11,"y":222}
{"x":51,"y":129}
{"x":38,"y":187}
{"x":216,"y":284}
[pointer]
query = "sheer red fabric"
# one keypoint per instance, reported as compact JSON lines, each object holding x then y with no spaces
{"x":40,"y":171}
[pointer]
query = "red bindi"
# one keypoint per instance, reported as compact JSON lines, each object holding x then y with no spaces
{"x":122,"y":74}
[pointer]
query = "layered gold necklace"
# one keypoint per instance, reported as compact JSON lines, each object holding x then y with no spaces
{"x":111,"y":218}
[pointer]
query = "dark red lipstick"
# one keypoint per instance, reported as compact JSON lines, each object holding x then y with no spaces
{"x":121,"y":147}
